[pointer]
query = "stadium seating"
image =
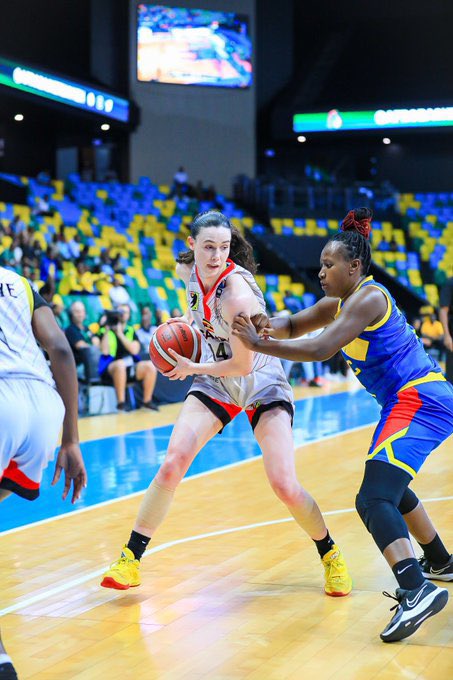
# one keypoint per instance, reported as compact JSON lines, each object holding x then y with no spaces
{"x":140,"y":224}
{"x":388,"y":245}
{"x":429,"y":222}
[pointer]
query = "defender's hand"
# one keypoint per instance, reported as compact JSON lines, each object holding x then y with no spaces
{"x":244,"y":329}
{"x":70,"y":460}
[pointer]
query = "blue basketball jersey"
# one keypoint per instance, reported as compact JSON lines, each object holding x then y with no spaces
{"x":387,"y":356}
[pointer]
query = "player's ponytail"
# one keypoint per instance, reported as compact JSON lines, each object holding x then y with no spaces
{"x":241,"y":252}
{"x":355,"y":234}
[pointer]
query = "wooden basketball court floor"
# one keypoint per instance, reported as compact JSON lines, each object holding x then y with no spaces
{"x":231,"y":587}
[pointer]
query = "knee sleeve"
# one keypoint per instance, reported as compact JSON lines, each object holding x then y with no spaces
{"x":378,"y":500}
{"x":408,"y":502}
{"x":382,"y":519}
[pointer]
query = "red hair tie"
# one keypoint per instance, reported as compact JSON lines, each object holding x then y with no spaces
{"x":350,"y":223}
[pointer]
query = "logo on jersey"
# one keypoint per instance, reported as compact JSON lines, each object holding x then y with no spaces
{"x":209,"y":328}
{"x":194,"y":301}
{"x":220,"y":288}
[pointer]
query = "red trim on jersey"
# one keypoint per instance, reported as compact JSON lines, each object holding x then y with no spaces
{"x":207,"y":295}
{"x":401,"y":415}
{"x":13,"y":473}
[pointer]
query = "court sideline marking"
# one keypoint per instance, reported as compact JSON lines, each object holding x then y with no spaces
{"x":102,"y":504}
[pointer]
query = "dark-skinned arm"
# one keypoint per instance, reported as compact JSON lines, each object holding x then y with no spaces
{"x":366,"y":308}
{"x":53,"y":340}
{"x":318,"y":316}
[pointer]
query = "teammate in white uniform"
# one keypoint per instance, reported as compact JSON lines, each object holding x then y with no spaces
{"x":228,"y":379}
{"x":32,"y":408}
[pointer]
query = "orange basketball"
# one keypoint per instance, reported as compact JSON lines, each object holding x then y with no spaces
{"x":182,"y":338}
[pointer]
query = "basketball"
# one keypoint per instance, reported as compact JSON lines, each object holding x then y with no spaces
{"x":179,"y":336}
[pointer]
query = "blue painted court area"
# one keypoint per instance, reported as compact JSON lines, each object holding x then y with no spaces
{"x":124,"y":464}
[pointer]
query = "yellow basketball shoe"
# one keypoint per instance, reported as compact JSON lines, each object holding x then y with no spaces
{"x":338,"y":581}
{"x":124,"y":573}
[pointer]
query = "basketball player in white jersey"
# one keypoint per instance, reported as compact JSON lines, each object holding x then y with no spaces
{"x":32,"y":407}
{"x":218,"y":273}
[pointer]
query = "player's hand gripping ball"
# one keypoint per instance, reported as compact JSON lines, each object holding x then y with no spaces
{"x":179,"y":336}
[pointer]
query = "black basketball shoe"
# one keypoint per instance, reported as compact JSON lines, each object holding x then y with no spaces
{"x":436,"y":572}
{"x":7,"y":671}
{"x":414,"y":607}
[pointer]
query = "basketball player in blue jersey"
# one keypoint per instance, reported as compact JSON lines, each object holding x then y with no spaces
{"x":362,"y":320}
{"x":218,"y":273}
{"x":35,"y":401}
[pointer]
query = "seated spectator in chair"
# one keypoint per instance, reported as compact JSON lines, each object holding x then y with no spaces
{"x":118,"y":293}
{"x":84,"y":282}
{"x":145,"y":332}
{"x":48,"y":292}
{"x":49,"y":264}
{"x":120,"y":360}
{"x":431,"y":333}
{"x":83,"y":342}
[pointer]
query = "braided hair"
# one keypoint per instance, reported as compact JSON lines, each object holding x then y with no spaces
{"x":241,"y":252}
{"x":354,"y":235}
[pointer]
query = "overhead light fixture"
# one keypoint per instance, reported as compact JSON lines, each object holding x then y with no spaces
{"x":105,"y":127}
{"x":301,"y":139}
{"x":19,"y":117}
{"x":386,"y":140}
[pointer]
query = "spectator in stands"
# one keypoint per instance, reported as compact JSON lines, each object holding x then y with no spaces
{"x":106,"y":263}
{"x":117,"y":264}
{"x":180,"y":183}
{"x":25,"y":245}
{"x":17,"y":252}
{"x":42,"y":207}
{"x":75,"y":247}
{"x":60,"y":243}
{"x":84,"y":284}
{"x":17,"y":225}
{"x":84,"y":343}
{"x":48,"y":292}
{"x":446,"y":317}
{"x":36,"y":251}
{"x":292,"y":303}
{"x":431,"y":332}
{"x":118,"y":293}
{"x":120,"y":360}
{"x":49,"y":264}
{"x":145,"y":331}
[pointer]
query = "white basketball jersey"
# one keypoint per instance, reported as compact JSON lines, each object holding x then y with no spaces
{"x":206,"y":309}
{"x":20,"y":356}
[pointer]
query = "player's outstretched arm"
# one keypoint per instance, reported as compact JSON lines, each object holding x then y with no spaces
{"x":318,"y":316}
{"x":54,"y":341}
{"x":368,"y":307}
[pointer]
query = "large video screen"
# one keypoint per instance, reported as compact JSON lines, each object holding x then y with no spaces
{"x":193,"y":47}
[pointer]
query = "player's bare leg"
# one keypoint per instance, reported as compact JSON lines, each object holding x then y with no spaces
{"x":274,"y":436}
{"x":195,"y":426}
